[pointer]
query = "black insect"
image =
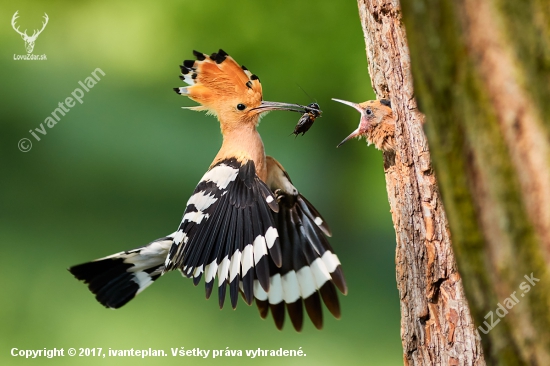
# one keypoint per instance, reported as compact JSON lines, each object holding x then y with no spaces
{"x":306,"y":121}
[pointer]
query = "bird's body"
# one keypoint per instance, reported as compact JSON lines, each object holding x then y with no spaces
{"x":377,"y":124}
{"x":245,"y":223}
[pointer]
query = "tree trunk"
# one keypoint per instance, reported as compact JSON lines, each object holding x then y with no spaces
{"x":482,"y":76}
{"x":436,"y":325}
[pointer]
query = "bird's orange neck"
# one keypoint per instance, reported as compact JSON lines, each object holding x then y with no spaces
{"x":244,"y":143}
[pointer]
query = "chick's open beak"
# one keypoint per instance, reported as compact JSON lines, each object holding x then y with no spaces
{"x":357,"y":132}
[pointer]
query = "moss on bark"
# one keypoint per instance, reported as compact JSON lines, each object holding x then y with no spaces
{"x":477,"y":179}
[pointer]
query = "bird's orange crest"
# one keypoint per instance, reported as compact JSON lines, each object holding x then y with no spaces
{"x":219,"y":84}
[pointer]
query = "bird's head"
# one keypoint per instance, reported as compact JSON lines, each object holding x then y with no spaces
{"x":227,"y":90}
{"x":373,"y":114}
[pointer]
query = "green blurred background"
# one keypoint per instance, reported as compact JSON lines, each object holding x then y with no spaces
{"x":116,"y":172}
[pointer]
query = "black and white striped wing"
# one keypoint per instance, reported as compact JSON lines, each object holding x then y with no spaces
{"x":228,"y":231}
{"x":310,"y":270}
{"x":118,"y":278}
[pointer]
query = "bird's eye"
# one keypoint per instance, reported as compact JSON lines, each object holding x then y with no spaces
{"x":241,"y":107}
{"x":368,"y":111}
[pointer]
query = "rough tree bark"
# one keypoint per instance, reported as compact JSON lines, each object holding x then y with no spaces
{"x":436,"y":325}
{"x":482,"y":76}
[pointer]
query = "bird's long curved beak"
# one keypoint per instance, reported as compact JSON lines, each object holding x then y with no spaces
{"x":355,"y":133}
{"x":276,"y":106}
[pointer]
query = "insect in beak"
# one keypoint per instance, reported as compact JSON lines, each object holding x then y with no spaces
{"x":309,"y":113}
{"x":306,"y":121}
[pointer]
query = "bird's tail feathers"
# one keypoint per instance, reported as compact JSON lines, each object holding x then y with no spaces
{"x":118,"y":278}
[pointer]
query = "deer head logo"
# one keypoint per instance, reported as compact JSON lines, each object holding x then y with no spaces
{"x":29,"y":40}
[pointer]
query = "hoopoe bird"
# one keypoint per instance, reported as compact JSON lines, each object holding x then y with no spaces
{"x":245,"y":223}
{"x":376,"y":125}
